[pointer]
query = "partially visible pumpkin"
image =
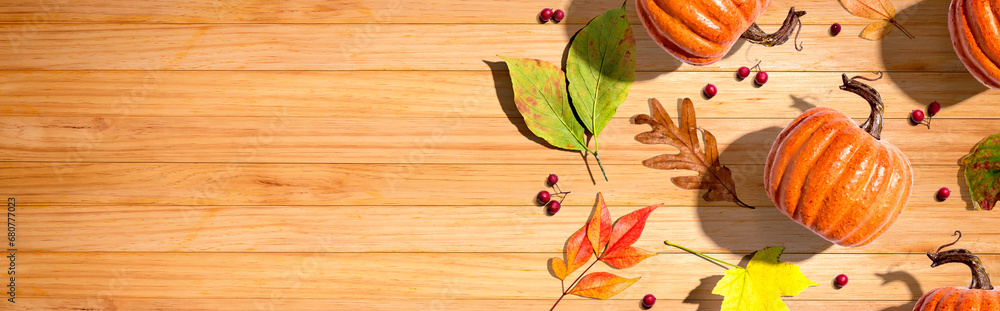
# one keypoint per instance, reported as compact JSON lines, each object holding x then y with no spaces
{"x":979,"y":296}
{"x":975,"y":35}
{"x":838,"y":179}
{"x":702,"y":32}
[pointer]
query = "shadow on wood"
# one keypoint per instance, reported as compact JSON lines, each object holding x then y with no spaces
{"x":911,"y":283}
{"x":505,"y":95}
{"x":742,"y":229}
{"x":936,"y":34}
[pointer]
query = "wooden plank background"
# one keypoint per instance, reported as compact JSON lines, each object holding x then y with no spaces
{"x":348,"y":155}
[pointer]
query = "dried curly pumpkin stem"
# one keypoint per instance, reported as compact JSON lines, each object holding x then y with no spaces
{"x":980,"y":279}
{"x":874,"y":123}
{"x":756,"y":35}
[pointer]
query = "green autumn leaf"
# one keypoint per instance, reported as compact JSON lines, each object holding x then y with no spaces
{"x":763,"y":282}
{"x":982,"y":172}
{"x":540,"y":96}
{"x":601,"y":68}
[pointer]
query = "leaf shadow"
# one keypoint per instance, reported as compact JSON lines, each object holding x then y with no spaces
{"x":933,"y":33}
{"x":505,"y":95}
{"x":916,"y":291}
{"x":743,"y":230}
{"x":963,"y":187}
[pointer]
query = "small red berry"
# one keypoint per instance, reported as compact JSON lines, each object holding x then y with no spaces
{"x":648,"y":301}
{"x":544,"y":197}
{"x":840,"y":281}
{"x":710,"y":90}
{"x":743,"y":72}
{"x":558,"y":15}
{"x":553,"y":207}
{"x":943,"y":193}
{"x":553,"y":179}
{"x":545,"y":15}
{"x":917,"y":116}
{"x":933,"y":108}
{"x":761,"y":78}
{"x":835,"y":29}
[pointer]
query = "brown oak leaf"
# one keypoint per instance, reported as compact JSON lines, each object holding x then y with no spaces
{"x":693,"y":155}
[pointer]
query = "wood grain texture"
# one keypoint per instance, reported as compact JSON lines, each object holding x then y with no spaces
{"x":421,"y":47}
{"x":428,"y":275}
{"x":455,"y":94}
{"x":48,"y":183}
{"x":386,"y":11}
{"x":280,"y":139}
{"x":366,"y":155}
{"x":453,"y":229}
{"x":442,"y":303}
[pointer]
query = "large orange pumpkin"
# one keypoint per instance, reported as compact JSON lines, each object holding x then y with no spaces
{"x":702,"y":32}
{"x":979,"y":296}
{"x":838,"y":179}
{"x":975,"y":35}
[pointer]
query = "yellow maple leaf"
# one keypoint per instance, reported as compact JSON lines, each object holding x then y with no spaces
{"x":762,"y":283}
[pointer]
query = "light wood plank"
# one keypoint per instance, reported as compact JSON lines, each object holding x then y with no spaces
{"x":44,"y":183}
{"x":483,"y":229}
{"x":280,"y":139}
{"x":428,"y":275}
{"x":439,"y":304}
{"x":455,"y":94}
{"x":390,"y":11}
{"x":420,"y":47}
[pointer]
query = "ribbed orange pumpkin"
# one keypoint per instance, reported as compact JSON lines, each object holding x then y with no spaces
{"x":975,"y":35}
{"x":979,"y":296}
{"x":838,"y":179}
{"x":702,"y":32}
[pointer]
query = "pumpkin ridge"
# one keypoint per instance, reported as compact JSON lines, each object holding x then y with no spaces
{"x":834,"y":182}
{"x":969,"y":300}
{"x":981,"y":31}
{"x":664,"y":36}
{"x":696,"y":44}
{"x":791,"y":152}
{"x":793,"y":142}
{"x":968,"y":51}
{"x":899,"y":200}
{"x":696,"y":17}
{"x":836,"y":229}
{"x":820,"y":144}
{"x":882,"y":173}
{"x":778,"y":140}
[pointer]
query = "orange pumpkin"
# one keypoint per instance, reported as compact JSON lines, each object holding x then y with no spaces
{"x":975,"y":35}
{"x":838,"y":179}
{"x":702,"y":32}
{"x":979,"y":296}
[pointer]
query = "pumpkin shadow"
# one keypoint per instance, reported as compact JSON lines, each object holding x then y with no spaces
{"x":916,"y":291}
{"x":933,"y":32}
{"x":744,"y":230}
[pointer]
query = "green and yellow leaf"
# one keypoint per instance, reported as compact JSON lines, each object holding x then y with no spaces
{"x":982,"y":172}
{"x":540,"y":97}
{"x":600,"y":67}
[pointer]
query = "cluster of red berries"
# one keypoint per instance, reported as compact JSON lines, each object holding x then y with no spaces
{"x":742,"y":73}
{"x":545,"y":198}
{"x":917,"y":116}
{"x":547,"y":14}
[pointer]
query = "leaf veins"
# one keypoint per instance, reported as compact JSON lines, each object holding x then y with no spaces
{"x":704,"y":160}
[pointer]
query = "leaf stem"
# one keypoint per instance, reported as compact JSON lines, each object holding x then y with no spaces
{"x":572,"y":285}
{"x":700,"y":254}
{"x":599,"y":163}
{"x":895,"y":23}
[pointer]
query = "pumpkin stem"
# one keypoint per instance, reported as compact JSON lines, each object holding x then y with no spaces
{"x":874,"y":123}
{"x":756,"y":35}
{"x":980,"y":280}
